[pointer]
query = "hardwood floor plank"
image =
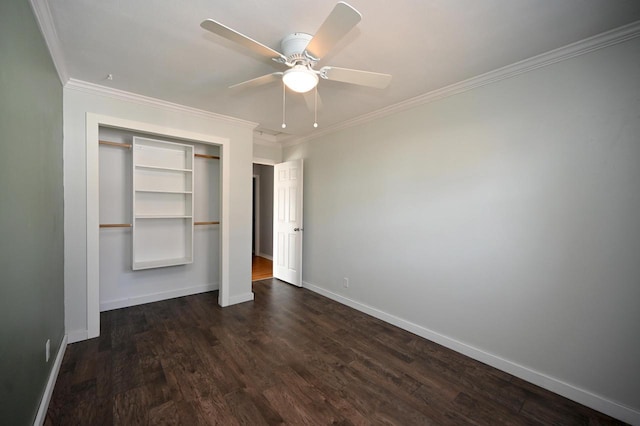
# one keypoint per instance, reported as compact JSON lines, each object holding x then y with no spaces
{"x":126,"y":373}
{"x":301,"y":403}
{"x":267,"y":411}
{"x":368,"y":393}
{"x":131,"y":408}
{"x":245,"y":411}
{"x":261,"y":268}
{"x":333,"y":390}
{"x":484,"y":411}
{"x":289,"y":357}
{"x":166,"y":414}
{"x":216,"y":362}
{"x":104,"y":375}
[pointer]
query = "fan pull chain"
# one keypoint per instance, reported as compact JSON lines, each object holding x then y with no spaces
{"x":284,"y":125}
{"x":315,"y":109}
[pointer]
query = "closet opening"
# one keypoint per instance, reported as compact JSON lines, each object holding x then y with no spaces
{"x":159,"y":212}
{"x":94,"y":124}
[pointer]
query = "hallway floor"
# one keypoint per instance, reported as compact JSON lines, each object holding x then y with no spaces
{"x":261,"y":268}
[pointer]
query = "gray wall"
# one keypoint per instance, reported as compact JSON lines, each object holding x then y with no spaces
{"x":266,"y":207}
{"x":503,"y":220}
{"x":270,"y":152}
{"x":31,"y":215}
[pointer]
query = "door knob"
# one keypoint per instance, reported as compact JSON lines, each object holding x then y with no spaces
{"x":298,"y":229}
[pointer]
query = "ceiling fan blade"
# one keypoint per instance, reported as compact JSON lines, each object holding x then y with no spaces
{"x":339,"y":22}
{"x":241,"y":39}
{"x":265,"y":79}
{"x":310,"y":100}
{"x":362,"y":78}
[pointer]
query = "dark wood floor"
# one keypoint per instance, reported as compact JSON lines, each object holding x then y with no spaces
{"x":289,"y":357}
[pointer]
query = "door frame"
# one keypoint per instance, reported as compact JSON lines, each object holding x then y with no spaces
{"x":256,"y":214}
{"x":263,"y":162}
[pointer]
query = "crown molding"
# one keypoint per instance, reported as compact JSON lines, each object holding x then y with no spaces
{"x":260,"y":138}
{"x":599,"y":41}
{"x":96,"y":89}
{"x":44,"y":19}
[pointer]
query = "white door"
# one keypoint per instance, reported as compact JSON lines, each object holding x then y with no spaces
{"x":287,"y":222}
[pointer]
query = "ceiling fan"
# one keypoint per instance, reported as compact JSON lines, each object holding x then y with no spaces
{"x":301,"y":52}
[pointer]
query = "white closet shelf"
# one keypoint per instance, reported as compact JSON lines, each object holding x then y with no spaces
{"x":161,"y":263}
{"x":162,"y":203}
{"x":159,"y":191}
{"x":169,"y":169}
{"x":162,"y":216}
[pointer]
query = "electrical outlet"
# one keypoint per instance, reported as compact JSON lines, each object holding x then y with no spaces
{"x":47,"y":350}
{"x":346,"y":283}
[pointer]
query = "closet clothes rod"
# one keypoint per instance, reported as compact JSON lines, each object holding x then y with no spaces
{"x":118,"y":144}
{"x":212,"y":157}
{"x":128,"y":225}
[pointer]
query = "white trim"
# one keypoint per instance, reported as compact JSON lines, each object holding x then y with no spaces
{"x":48,"y":29}
{"x":93,"y":123}
{"x":241,"y":298}
{"x":264,"y":139}
{"x":110,"y":305}
{"x":606,"y":39}
{"x":225,"y":229}
{"x":51,"y":383}
{"x":96,"y":89}
{"x":266,"y":256}
{"x":256,"y":213}
{"x":264,"y":161}
{"x":92,"y":136}
{"x":567,"y":390}
{"x":77,"y":336}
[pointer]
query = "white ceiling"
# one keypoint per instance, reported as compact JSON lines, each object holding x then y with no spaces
{"x":158,"y":49}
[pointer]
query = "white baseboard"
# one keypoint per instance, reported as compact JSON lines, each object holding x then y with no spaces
{"x":266,"y":256}
{"x":51,"y":383}
{"x":241,"y":298}
{"x":110,"y":305}
{"x":581,"y":396}
{"x":77,"y":336}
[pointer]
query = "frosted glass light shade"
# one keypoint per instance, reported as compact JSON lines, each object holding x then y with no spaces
{"x":300,"y":79}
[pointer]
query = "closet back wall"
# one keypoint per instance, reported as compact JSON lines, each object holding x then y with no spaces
{"x":120,"y":286}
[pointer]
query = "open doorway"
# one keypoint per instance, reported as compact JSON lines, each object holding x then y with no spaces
{"x":262,"y":235}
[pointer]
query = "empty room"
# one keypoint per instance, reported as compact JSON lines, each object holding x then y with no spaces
{"x":320,"y":212}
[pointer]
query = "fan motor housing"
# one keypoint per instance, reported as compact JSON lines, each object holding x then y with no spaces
{"x":294,"y":44}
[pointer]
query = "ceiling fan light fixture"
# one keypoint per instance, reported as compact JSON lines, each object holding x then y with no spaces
{"x":300,"y":79}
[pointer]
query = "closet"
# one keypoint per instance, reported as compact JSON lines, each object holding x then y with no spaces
{"x":159,"y":212}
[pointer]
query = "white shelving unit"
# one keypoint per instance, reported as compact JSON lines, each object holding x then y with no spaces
{"x":162,"y":203}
